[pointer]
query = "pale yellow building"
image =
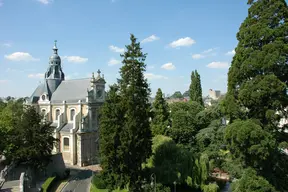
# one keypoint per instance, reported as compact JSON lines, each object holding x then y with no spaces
{"x":72,"y":107}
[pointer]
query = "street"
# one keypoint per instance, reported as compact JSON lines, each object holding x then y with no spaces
{"x":80,"y":182}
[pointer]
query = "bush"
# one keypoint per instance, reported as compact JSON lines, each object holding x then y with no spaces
{"x":98,"y":182}
{"x":48,"y":183}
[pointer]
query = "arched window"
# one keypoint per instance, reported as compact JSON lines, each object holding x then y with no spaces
{"x":66,"y":144}
{"x":72,"y":113}
{"x":57,"y":113}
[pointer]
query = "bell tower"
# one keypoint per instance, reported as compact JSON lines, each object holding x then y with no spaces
{"x":54,"y":74}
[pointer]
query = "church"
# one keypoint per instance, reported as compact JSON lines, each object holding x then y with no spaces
{"x":72,"y":107}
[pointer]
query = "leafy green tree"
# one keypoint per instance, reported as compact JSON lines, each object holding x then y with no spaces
{"x":111,"y":123}
{"x":195,"y":88}
{"x":160,"y":120}
{"x":249,"y":142}
{"x":212,"y":187}
{"x":26,"y":137}
{"x":184,"y":125}
{"x":257,"y":89}
{"x":136,"y":134}
{"x":258,"y":76}
{"x":177,"y":95}
{"x":251,"y":182}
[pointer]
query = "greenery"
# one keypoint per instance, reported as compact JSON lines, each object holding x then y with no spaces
{"x":48,"y":184}
{"x":195,"y":88}
{"x":257,"y":96}
{"x":26,"y":137}
{"x":128,"y":141}
{"x":160,"y":119}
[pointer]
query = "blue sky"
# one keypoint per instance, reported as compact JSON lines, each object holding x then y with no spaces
{"x":179,"y":36}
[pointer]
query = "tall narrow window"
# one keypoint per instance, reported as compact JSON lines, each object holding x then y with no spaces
{"x":72,"y":114}
{"x":66,"y":144}
{"x":57,"y":113}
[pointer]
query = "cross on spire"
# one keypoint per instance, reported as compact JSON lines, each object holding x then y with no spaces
{"x":55,"y":41}
{"x":99,"y":72}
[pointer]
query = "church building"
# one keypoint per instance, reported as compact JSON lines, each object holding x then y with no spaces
{"x":72,"y":107}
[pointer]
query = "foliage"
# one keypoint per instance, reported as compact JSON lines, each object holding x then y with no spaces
{"x":212,"y":187}
{"x":48,"y":184}
{"x":27,"y":138}
{"x":195,"y":88}
{"x":111,"y":122}
{"x":177,"y":95}
{"x":249,"y":142}
{"x":159,"y":188}
{"x":184,"y":125}
{"x":160,"y":120}
{"x":251,"y":182}
{"x":98,"y":181}
{"x":131,"y":144}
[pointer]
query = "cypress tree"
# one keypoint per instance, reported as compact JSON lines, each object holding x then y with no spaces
{"x":195,"y":88}
{"x":136,"y":134}
{"x":111,"y":123}
{"x":258,"y":79}
{"x":160,"y":120}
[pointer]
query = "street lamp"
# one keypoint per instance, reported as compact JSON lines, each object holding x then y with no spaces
{"x":174,"y":185}
{"x":153,"y":181}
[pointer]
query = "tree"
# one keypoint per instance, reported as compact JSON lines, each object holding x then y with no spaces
{"x":195,"y":88}
{"x":251,"y":182}
{"x":184,"y":125}
{"x":160,"y":120}
{"x":257,"y":86}
{"x":111,"y":123}
{"x":136,"y":135}
{"x":26,"y":137}
{"x":177,"y":95}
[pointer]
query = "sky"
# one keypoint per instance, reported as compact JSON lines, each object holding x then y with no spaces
{"x":179,"y":36}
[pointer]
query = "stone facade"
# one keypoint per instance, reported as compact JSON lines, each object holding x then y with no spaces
{"x":72,"y":107}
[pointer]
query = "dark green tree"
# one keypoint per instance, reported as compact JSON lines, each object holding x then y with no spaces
{"x":136,"y":135}
{"x":26,"y":137}
{"x":176,"y":95}
{"x":257,"y":89}
{"x":111,"y":123}
{"x":160,"y":120}
{"x":195,"y":88}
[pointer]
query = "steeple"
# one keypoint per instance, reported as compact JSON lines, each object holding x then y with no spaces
{"x":54,"y":74}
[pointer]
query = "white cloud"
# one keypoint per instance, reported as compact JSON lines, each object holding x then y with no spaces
{"x":75,"y":59}
{"x":150,"y":39}
{"x":36,"y":75}
{"x":45,"y":2}
{"x":206,"y":53}
{"x":20,"y":56}
{"x":182,"y":42}
{"x":219,"y":65}
{"x":116,"y":49}
{"x":198,"y":56}
{"x":6,"y":44}
{"x":152,"y":76}
{"x":113,"y":61}
{"x":168,"y":66}
{"x":231,"y":52}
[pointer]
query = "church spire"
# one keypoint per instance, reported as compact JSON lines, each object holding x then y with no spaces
{"x":55,"y":49}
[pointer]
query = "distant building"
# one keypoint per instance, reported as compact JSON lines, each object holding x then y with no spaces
{"x":214,"y":94}
{"x":72,"y":107}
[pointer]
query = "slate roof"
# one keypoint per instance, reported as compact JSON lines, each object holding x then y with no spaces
{"x":71,"y":91}
{"x":38,"y":92}
{"x":67,"y":127}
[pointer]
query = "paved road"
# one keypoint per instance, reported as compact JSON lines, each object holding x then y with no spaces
{"x":80,"y":182}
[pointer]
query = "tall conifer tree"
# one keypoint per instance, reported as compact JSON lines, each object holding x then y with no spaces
{"x":195,"y":88}
{"x":257,"y":84}
{"x":160,"y":120}
{"x":111,"y":123}
{"x":136,"y":134}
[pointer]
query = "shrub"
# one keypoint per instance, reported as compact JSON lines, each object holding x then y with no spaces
{"x":98,"y":181}
{"x":48,"y":183}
